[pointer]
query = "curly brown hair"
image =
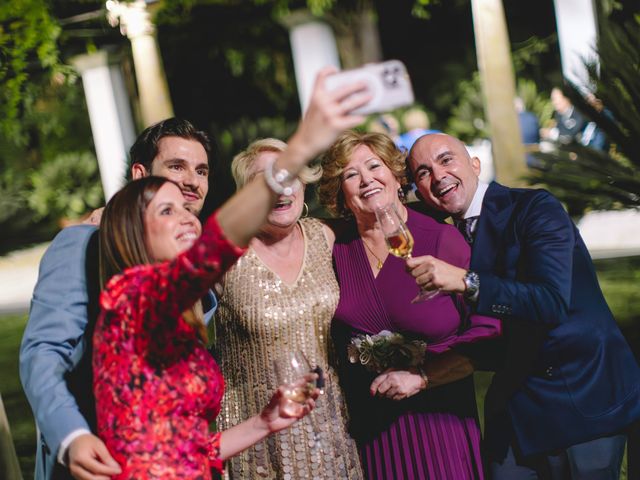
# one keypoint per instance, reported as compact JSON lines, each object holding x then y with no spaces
{"x":337,"y":157}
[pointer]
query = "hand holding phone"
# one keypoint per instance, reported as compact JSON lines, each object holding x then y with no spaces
{"x":388,"y":82}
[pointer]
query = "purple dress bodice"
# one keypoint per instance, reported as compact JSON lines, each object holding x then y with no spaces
{"x":370,"y":304}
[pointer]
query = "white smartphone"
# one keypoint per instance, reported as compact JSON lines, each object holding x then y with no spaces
{"x":388,"y":82}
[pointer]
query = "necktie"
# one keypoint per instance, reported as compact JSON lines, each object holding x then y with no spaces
{"x":466,"y":228}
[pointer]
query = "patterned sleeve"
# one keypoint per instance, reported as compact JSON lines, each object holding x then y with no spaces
{"x":213,"y":453}
{"x":453,"y":249}
{"x":154,"y":296}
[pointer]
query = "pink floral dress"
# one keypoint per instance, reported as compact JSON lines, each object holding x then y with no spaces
{"x":156,"y":386}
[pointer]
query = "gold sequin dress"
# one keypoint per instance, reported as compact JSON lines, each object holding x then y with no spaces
{"x":259,"y":317}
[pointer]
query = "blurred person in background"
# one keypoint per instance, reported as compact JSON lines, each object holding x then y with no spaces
{"x":529,"y":130}
{"x":592,"y":136}
{"x":569,"y":122}
{"x":416,"y":123}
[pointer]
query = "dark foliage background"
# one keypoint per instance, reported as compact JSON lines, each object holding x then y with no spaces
{"x":585,"y":178}
{"x":229,"y":69}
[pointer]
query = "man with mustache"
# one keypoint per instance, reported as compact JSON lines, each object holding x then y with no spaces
{"x":55,"y":355}
{"x":566,"y":385}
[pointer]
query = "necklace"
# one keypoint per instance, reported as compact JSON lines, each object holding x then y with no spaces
{"x":379,"y":264}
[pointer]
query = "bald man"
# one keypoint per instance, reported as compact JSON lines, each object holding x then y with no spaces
{"x":566,"y":385}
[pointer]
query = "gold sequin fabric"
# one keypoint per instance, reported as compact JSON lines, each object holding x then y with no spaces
{"x":259,"y":317}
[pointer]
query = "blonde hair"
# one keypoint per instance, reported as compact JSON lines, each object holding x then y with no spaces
{"x":242,"y":161}
{"x":337,"y":157}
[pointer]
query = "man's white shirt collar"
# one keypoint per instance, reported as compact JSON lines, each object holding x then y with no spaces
{"x":476,"y":204}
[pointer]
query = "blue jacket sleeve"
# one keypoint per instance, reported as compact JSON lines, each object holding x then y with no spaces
{"x":210,"y":305}
{"x":536,"y":283}
{"x":453,"y":249}
{"x":53,"y":342}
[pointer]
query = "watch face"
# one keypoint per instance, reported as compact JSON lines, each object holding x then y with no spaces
{"x":472,"y":282}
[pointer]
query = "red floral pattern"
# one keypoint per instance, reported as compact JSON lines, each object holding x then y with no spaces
{"x":157,"y":388}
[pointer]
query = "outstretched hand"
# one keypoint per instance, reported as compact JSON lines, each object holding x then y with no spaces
{"x":328,"y":114}
{"x":434,"y":274}
{"x":89,"y":459}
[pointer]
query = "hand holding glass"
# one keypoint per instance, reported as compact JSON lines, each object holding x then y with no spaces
{"x":292,"y":371}
{"x":399,"y":241}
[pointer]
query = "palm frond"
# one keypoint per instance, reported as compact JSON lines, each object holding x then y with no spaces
{"x":586,"y":178}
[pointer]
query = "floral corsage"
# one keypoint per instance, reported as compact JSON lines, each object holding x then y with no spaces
{"x":386,"y":350}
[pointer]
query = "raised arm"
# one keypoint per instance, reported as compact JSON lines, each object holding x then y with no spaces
{"x":185,"y":279}
{"x":327,"y":116}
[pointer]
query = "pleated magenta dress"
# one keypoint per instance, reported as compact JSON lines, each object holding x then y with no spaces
{"x":434,"y":434}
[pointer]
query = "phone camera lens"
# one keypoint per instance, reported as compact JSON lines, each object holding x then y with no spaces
{"x":390,"y":77}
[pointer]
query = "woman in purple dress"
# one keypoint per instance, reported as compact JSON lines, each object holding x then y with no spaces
{"x":408,"y":423}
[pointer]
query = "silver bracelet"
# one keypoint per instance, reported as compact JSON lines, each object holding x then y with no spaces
{"x":281,"y":182}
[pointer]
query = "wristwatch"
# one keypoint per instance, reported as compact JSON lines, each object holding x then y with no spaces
{"x":472,"y":284}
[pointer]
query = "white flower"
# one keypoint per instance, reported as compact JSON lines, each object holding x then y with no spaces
{"x":365,"y":358}
{"x":384,"y":333}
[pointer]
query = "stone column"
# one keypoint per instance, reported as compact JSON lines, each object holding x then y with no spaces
{"x":109,"y":114}
{"x":313,"y":46}
{"x":135,"y":22}
{"x":498,"y":86}
{"x":577,"y":33}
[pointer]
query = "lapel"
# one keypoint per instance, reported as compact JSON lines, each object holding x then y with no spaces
{"x":497,"y":208}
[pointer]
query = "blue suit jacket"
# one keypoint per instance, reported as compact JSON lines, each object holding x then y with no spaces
{"x":565,"y":374}
{"x":55,"y":355}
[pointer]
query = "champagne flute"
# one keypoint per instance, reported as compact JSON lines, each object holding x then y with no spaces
{"x":399,"y":241}
{"x":291,"y":369}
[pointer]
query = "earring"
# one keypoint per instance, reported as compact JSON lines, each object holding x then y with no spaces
{"x":305,"y":210}
{"x":401,"y":195}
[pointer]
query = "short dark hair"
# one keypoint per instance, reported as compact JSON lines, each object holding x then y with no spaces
{"x":145,"y":148}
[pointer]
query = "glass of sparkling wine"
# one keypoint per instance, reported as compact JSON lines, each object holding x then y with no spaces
{"x":399,"y":241}
{"x":291,"y":369}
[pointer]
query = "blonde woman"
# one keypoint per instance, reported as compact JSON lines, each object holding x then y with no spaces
{"x":280,"y":297}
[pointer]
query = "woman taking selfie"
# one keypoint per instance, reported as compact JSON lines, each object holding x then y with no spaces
{"x":157,"y":388}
